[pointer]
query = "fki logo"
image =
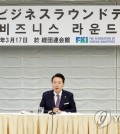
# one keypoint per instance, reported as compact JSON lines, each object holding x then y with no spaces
{"x":81,"y":39}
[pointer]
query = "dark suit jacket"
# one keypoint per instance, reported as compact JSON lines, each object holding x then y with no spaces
{"x":67,"y":102}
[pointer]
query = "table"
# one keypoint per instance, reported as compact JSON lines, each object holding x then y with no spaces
{"x":62,"y":124}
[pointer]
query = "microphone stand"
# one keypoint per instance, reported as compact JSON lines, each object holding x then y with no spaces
{"x":52,"y":113}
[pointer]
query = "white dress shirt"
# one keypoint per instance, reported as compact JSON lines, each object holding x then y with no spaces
{"x":55,"y":96}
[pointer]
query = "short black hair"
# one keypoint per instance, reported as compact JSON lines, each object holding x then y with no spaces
{"x":58,"y":75}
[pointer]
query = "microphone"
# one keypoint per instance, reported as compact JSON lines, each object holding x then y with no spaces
{"x":52,"y":112}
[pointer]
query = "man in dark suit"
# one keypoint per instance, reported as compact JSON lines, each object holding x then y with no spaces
{"x":58,"y":100}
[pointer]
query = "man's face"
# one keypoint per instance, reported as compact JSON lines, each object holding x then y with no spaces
{"x":57,"y":84}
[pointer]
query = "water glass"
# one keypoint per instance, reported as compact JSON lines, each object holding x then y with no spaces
{"x":41,"y":110}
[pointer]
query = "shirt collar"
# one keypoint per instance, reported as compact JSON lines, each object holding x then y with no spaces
{"x":59,"y":93}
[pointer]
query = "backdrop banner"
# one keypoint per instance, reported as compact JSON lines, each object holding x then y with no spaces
{"x":59,"y":25}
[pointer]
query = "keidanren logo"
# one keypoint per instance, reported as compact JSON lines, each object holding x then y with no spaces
{"x":102,"y":118}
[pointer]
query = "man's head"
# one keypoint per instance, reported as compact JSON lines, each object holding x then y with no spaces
{"x":58,"y":82}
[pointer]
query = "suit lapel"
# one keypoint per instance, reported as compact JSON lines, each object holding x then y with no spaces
{"x":52,"y":99}
{"x":62,"y":99}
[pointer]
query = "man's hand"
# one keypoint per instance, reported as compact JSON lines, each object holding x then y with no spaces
{"x":57,"y":110}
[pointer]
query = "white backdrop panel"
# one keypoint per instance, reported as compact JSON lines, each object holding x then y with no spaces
{"x":25,"y":73}
{"x":13,"y":93}
{"x":89,"y":104}
{"x":13,"y":72}
{"x":10,"y":104}
{"x":94,"y":93}
{"x":11,"y":82}
{"x":118,"y":79}
{"x":12,"y":62}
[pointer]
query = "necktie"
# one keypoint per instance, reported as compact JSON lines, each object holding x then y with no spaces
{"x":58,"y":101}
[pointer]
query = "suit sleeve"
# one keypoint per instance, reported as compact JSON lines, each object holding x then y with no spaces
{"x":72,"y":105}
{"x":43,"y":104}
